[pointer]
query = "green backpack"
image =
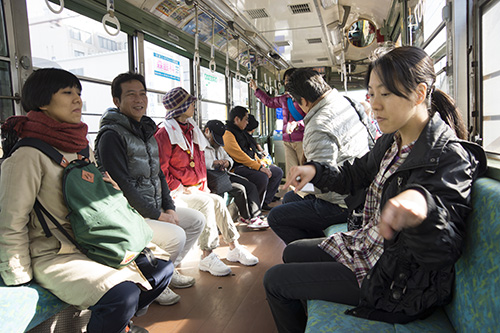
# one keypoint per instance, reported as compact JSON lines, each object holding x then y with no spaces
{"x":105,"y":227}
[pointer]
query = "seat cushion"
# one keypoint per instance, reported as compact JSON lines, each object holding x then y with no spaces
{"x":342,"y":227}
{"x":437,"y":322}
{"x":476,"y":302}
{"x":24,"y":307}
{"x":330,"y":317}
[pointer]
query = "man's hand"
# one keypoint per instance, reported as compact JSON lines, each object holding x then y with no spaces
{"x":220,"y":164}
{"x":266,"y":171}
{"x":406,"y":210}
{"x":170,"y":216}
{"x":107,"y":178}
{"x":299,"y":176}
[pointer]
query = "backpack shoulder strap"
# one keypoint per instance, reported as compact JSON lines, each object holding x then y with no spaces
{"x":48,"y":150}
{"x":44,"y":148}
{"x":40,"y":211}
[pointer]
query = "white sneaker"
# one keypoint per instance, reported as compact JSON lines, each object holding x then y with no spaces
{"x":168,"y":297}
{"x":214,"y":265}
{"x":180,"y":281}
{"x":242,"y":255}
{"x":258,"y":223}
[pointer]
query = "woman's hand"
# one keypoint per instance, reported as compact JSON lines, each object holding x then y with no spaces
{"x":107,"y":178}
{"x":299,"y":176}
{"x":253,"y":85}
{"x":406,"y":210}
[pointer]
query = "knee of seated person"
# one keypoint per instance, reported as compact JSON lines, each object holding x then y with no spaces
{"x":290,"y":251}
{"x":274,"y":214}
{"x":272,"y":278}
{"x":289,"y":196}
{"x":277,"y":171}
{"x":199,"y":221}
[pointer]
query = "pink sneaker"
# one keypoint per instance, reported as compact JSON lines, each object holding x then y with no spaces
{"x":257,"y":223}
{"x":243,"y":220}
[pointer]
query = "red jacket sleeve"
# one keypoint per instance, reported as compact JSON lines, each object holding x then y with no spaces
{"x":165,"y":150}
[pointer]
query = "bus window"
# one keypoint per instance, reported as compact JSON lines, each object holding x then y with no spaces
{"x":80,"y":45}
{"x":240,"y":93}
{"x":432,"y":16}
{"x":490,"y":76}
{"x":74,"y":42}
{"x":213,"y":95}
{"x":6,"y":105}
{"x":164,"y":70}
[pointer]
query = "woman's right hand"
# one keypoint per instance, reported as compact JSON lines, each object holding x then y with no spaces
{"x":299,"y":176}
{"x":252,"y":84}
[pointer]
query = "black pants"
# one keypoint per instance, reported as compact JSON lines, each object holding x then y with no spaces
{"x":246,"y":196}
{"x":299,"y":218}
{"x":266,"y":186}
{"x":115,"y":309}
{"x":308,"y":273}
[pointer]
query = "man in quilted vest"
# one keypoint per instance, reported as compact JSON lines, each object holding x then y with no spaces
{"x":127,"y":149}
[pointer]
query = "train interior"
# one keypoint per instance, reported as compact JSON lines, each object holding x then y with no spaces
{"x":213,"y":48}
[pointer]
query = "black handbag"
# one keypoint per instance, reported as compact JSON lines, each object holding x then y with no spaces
{"x":218,"y":181}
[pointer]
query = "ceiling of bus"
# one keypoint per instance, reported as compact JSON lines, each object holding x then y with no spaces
{"x":284,"y":33}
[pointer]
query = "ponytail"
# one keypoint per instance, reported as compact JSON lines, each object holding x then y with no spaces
{"x":446,"y":107}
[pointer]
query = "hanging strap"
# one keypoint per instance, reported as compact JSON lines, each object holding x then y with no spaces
{"x":295,"y":113}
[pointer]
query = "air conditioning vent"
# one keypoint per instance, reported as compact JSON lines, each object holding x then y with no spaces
{"x":299,"y":61}
{"x":282,"y":43}
{"x":300,"y":9}
{"x":322,"y":59}
{"x":314,"y":41}
{"x":257,"y":13}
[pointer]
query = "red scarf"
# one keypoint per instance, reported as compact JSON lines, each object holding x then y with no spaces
{"x":67,"y":137}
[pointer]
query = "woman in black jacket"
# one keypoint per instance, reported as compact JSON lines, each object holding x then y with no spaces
{"x":400,"y":264}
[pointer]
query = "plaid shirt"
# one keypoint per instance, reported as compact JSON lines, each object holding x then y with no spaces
{"x":360,"y":249}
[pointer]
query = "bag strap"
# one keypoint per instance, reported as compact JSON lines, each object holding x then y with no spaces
{"x":57,"y":157}
{"x":295,"y":113}
{"x":40,"y":211}
{"x":48,"y":150}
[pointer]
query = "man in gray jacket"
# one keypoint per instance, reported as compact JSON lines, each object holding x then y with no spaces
{"x":127,"y":149}
{"x":333,"y":134}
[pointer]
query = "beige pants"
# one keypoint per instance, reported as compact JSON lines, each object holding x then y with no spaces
{"x":294,"y":154}
{"x":213,"y":207}
{"x":178,"y":239}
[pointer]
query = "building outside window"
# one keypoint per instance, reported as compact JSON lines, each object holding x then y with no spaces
{"x":80,"y":45}
{"x":490,"y":76}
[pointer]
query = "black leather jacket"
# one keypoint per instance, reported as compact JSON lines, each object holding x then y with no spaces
{"x":415,"y":273}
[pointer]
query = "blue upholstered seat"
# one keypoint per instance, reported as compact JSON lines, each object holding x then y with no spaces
{"x":476,"y":303}
{"x":22,"y":308}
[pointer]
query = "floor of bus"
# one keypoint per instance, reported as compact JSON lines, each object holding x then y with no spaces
{"x":234,"y":303}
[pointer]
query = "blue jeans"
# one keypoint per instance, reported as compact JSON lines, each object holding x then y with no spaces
{"x":113,"y":311}
{"x":299,"y":218}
